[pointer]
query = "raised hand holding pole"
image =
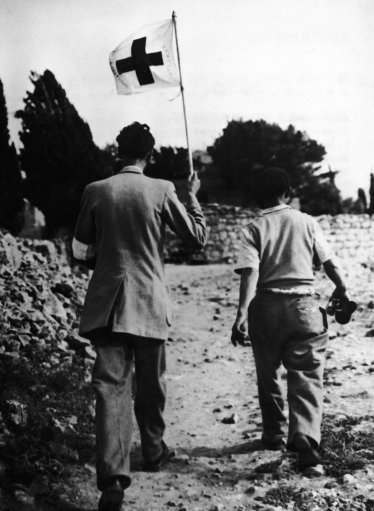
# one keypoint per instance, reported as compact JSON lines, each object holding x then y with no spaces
{"x":190,"y":162}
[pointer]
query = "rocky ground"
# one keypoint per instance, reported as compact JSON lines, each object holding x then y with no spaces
{"x":46,"y":406}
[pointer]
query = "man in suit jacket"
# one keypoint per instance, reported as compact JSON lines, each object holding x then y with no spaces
{"x":121,"y":225}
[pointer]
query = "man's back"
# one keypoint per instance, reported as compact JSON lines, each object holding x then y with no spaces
{"x":125,"y":218}
{"x":129,"y":224}
{"x":281,"y":243}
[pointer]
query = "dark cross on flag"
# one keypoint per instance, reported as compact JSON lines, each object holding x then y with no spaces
{"x":140,"y":62}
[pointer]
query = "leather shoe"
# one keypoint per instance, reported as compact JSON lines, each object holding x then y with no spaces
{"x":112,"y":496}
{"x":156,"y":465}
{"x":308,"y":454}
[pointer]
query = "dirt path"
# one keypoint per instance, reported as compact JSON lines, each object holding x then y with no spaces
{"x":221,"y":466}
{"x":213,"y":418}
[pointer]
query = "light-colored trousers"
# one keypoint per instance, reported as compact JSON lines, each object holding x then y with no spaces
{"x":117,"y":355}
{"x":289,"y":330}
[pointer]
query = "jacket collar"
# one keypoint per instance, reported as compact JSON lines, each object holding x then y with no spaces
{"x":131,"y":168}
{"x":274,"y":208}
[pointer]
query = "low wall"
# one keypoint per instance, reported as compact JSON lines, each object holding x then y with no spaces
{"x":350,"y":236}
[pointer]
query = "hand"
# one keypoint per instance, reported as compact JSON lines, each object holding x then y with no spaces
{"x":186,"y":187}
{"x":193,"y":183}
{"x":340,"y":293}
{"x":239,"y":334}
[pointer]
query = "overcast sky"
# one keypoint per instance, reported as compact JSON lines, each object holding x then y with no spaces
{"x":305,"y":62}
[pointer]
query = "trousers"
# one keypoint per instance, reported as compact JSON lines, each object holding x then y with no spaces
{"x":289,"y":330}
{"x":117,"y":356}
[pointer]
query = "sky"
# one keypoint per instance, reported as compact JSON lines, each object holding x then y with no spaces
{"x":303,"y":62}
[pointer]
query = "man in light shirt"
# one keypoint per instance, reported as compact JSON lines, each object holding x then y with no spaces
{"x":284,"y":319}
{"x":121,"y":227}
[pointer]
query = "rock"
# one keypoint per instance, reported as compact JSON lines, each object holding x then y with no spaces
{"x":15,"y":413}
{"x":331,"y":484}
{"x":77,"y":343}
{"x":250,"y":490}
{"x":36,"y":316}
{"x":24,"y":340}
{"x":231,"y":419}
{"x":90,"y":469}
{"x":90,"y":352}
{"x":349,"y":479}
{"x":247,"y":435}
{"x":63,"y":288}
{"x":10,"y":255}
{"x":183,"y":457}
{"x":370,"y":333}
{"x":63,"y":425}
{"x":53,"y":307}
{"x":63,"y":346}
{"x":46,"y":248}
{"x":92,"y":410}
{"x":23,"y":497}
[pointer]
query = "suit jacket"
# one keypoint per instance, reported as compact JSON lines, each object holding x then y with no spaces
{"x":124,"y":218}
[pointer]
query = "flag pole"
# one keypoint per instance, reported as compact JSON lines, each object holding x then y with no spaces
{"x":190,"y":162}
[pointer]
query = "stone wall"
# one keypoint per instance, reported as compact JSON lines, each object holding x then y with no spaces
{"x":350,"y":236}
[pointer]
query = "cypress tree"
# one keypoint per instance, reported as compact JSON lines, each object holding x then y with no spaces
{"x":59,"y":155}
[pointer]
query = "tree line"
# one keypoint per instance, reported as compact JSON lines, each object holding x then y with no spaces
{"x":58,"y":158}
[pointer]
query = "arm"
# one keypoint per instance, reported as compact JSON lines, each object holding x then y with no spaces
{"x":334,"y":274}
{"x":247,"y":266}
{"x":84,"y":233}
{"x":247,"y":291}
{"x":187,"y":222}
{"x":330,"y":265}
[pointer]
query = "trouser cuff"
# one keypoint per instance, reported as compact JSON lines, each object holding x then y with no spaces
{"x":103,"y":483}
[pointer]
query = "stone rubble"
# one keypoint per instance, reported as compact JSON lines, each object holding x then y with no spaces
{"x":42,"y":361}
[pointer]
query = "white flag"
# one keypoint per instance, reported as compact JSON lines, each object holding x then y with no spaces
{"x":145,"y":60}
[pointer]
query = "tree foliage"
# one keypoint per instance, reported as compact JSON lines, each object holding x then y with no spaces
{"x":168,"y":163}
{"x":59,"y":155}
{"x":246,"y":146}
{"x":11,"y":193}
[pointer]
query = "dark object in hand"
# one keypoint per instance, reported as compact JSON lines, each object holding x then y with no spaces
{"x":341,"y":308}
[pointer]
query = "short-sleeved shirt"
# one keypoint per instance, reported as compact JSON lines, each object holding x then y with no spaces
{"x":281,"y":243}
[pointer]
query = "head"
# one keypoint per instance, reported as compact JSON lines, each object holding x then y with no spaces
{"x":270,"y":187}
{"x":135,"y":143}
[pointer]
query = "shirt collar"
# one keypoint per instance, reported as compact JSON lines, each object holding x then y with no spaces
{"x":274,"y":208}
{"x":131,"y":168}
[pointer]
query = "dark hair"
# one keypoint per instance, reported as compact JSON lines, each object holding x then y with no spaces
{"x":268,"y":185}
{"x":135,"y":141}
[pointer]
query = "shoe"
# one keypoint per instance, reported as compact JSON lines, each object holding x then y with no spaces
{"x":112,"y":496}
{"x":314,"y":471}
{"x":156,"y":465}
{"x":273,"y":445}
{"x":309,"y":458}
